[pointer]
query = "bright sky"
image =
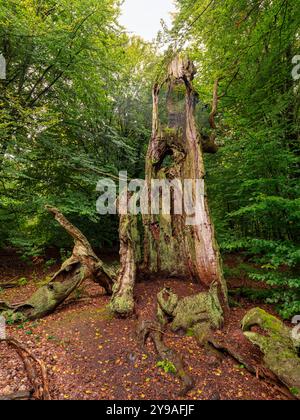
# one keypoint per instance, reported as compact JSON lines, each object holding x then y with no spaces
{"x":142,"y":17}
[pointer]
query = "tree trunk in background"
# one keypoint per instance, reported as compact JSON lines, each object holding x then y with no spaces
{"x":171,"y":246}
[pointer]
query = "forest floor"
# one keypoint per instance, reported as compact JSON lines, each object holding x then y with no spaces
{"x":91,"y":355}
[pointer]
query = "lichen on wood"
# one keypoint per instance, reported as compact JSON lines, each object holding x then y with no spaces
{"x":82,"y":265}
{"x":198,"y":313}
{"x":279,"y":348}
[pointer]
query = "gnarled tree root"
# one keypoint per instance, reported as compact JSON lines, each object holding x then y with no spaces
{"x":84,"y":254}
{"x":261,"y":372}
{"x":200,"y":312}
{"x":278,"y":345}
{"x":18,"y":396}
{"x":82,"y":265}
{"x":152,"y":330}
{"x":36,"y":371}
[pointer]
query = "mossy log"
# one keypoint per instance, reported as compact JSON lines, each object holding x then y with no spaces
{"x":173,"y":246}
{"x":280,"y":349}
{"x":82,"y":265}
{"x":198,"y":313}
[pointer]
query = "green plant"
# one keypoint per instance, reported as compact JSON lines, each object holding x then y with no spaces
{"x":190,"y":332}
{"x":50,"y":262}
{"x":295,"y":391}
{"x":167,"y":366}
{"x":23,"y":281}
{"x":65,"y":254}
{"x":14,"y":317}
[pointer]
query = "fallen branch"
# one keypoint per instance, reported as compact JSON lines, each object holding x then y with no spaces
{"x":82,"y":265}
{"x":38,"y":380}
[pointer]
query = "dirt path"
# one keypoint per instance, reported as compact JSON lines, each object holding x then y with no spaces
{"x":91,"y":355}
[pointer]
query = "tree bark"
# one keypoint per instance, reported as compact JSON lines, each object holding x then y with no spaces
{"x":171,"y":245}
{"x":82,"y":265}
{"x":122,"y":302}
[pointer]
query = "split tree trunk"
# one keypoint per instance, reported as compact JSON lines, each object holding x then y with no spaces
{"x":172,"y":246}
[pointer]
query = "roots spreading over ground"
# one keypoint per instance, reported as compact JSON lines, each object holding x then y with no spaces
{"x":36,"y":372}
{"x":278,"y":345}
{"x":198,"y":314}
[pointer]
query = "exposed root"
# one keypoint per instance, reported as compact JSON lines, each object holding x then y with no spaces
{"x":36,"y":371}
{"x":278,"y":345}
{"x":9,"y":285}
{"x":152,"y":330}
{"x":18,"y":396}
{"x":260,"y":371}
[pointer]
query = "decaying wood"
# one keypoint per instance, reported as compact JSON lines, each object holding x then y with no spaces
{"x":279,"y":346}
{"x":172,"y":246}
{"x":36,"y":372}
{"x":18,"y":396}
{"x":83,"y":253}
{"x":259,"y":371}
{"x":122,"y":302}
{"x":199,"y":313}
{"x":82,"y":265}
{"x":152,"y":330}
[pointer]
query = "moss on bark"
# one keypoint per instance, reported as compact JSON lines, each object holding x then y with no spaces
{"x":83,"y":264}
{"x":122,"y":301}
{"x":198,"y":313}
{"x":277,"y":344}
{"x":174,"y":246}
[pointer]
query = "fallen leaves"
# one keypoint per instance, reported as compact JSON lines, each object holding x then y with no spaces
{"x":93,"y":357}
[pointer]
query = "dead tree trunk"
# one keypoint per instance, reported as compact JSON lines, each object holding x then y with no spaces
{"x":174,"y":245}
{"x":82,"y":265}
{"x":122,"y":302}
